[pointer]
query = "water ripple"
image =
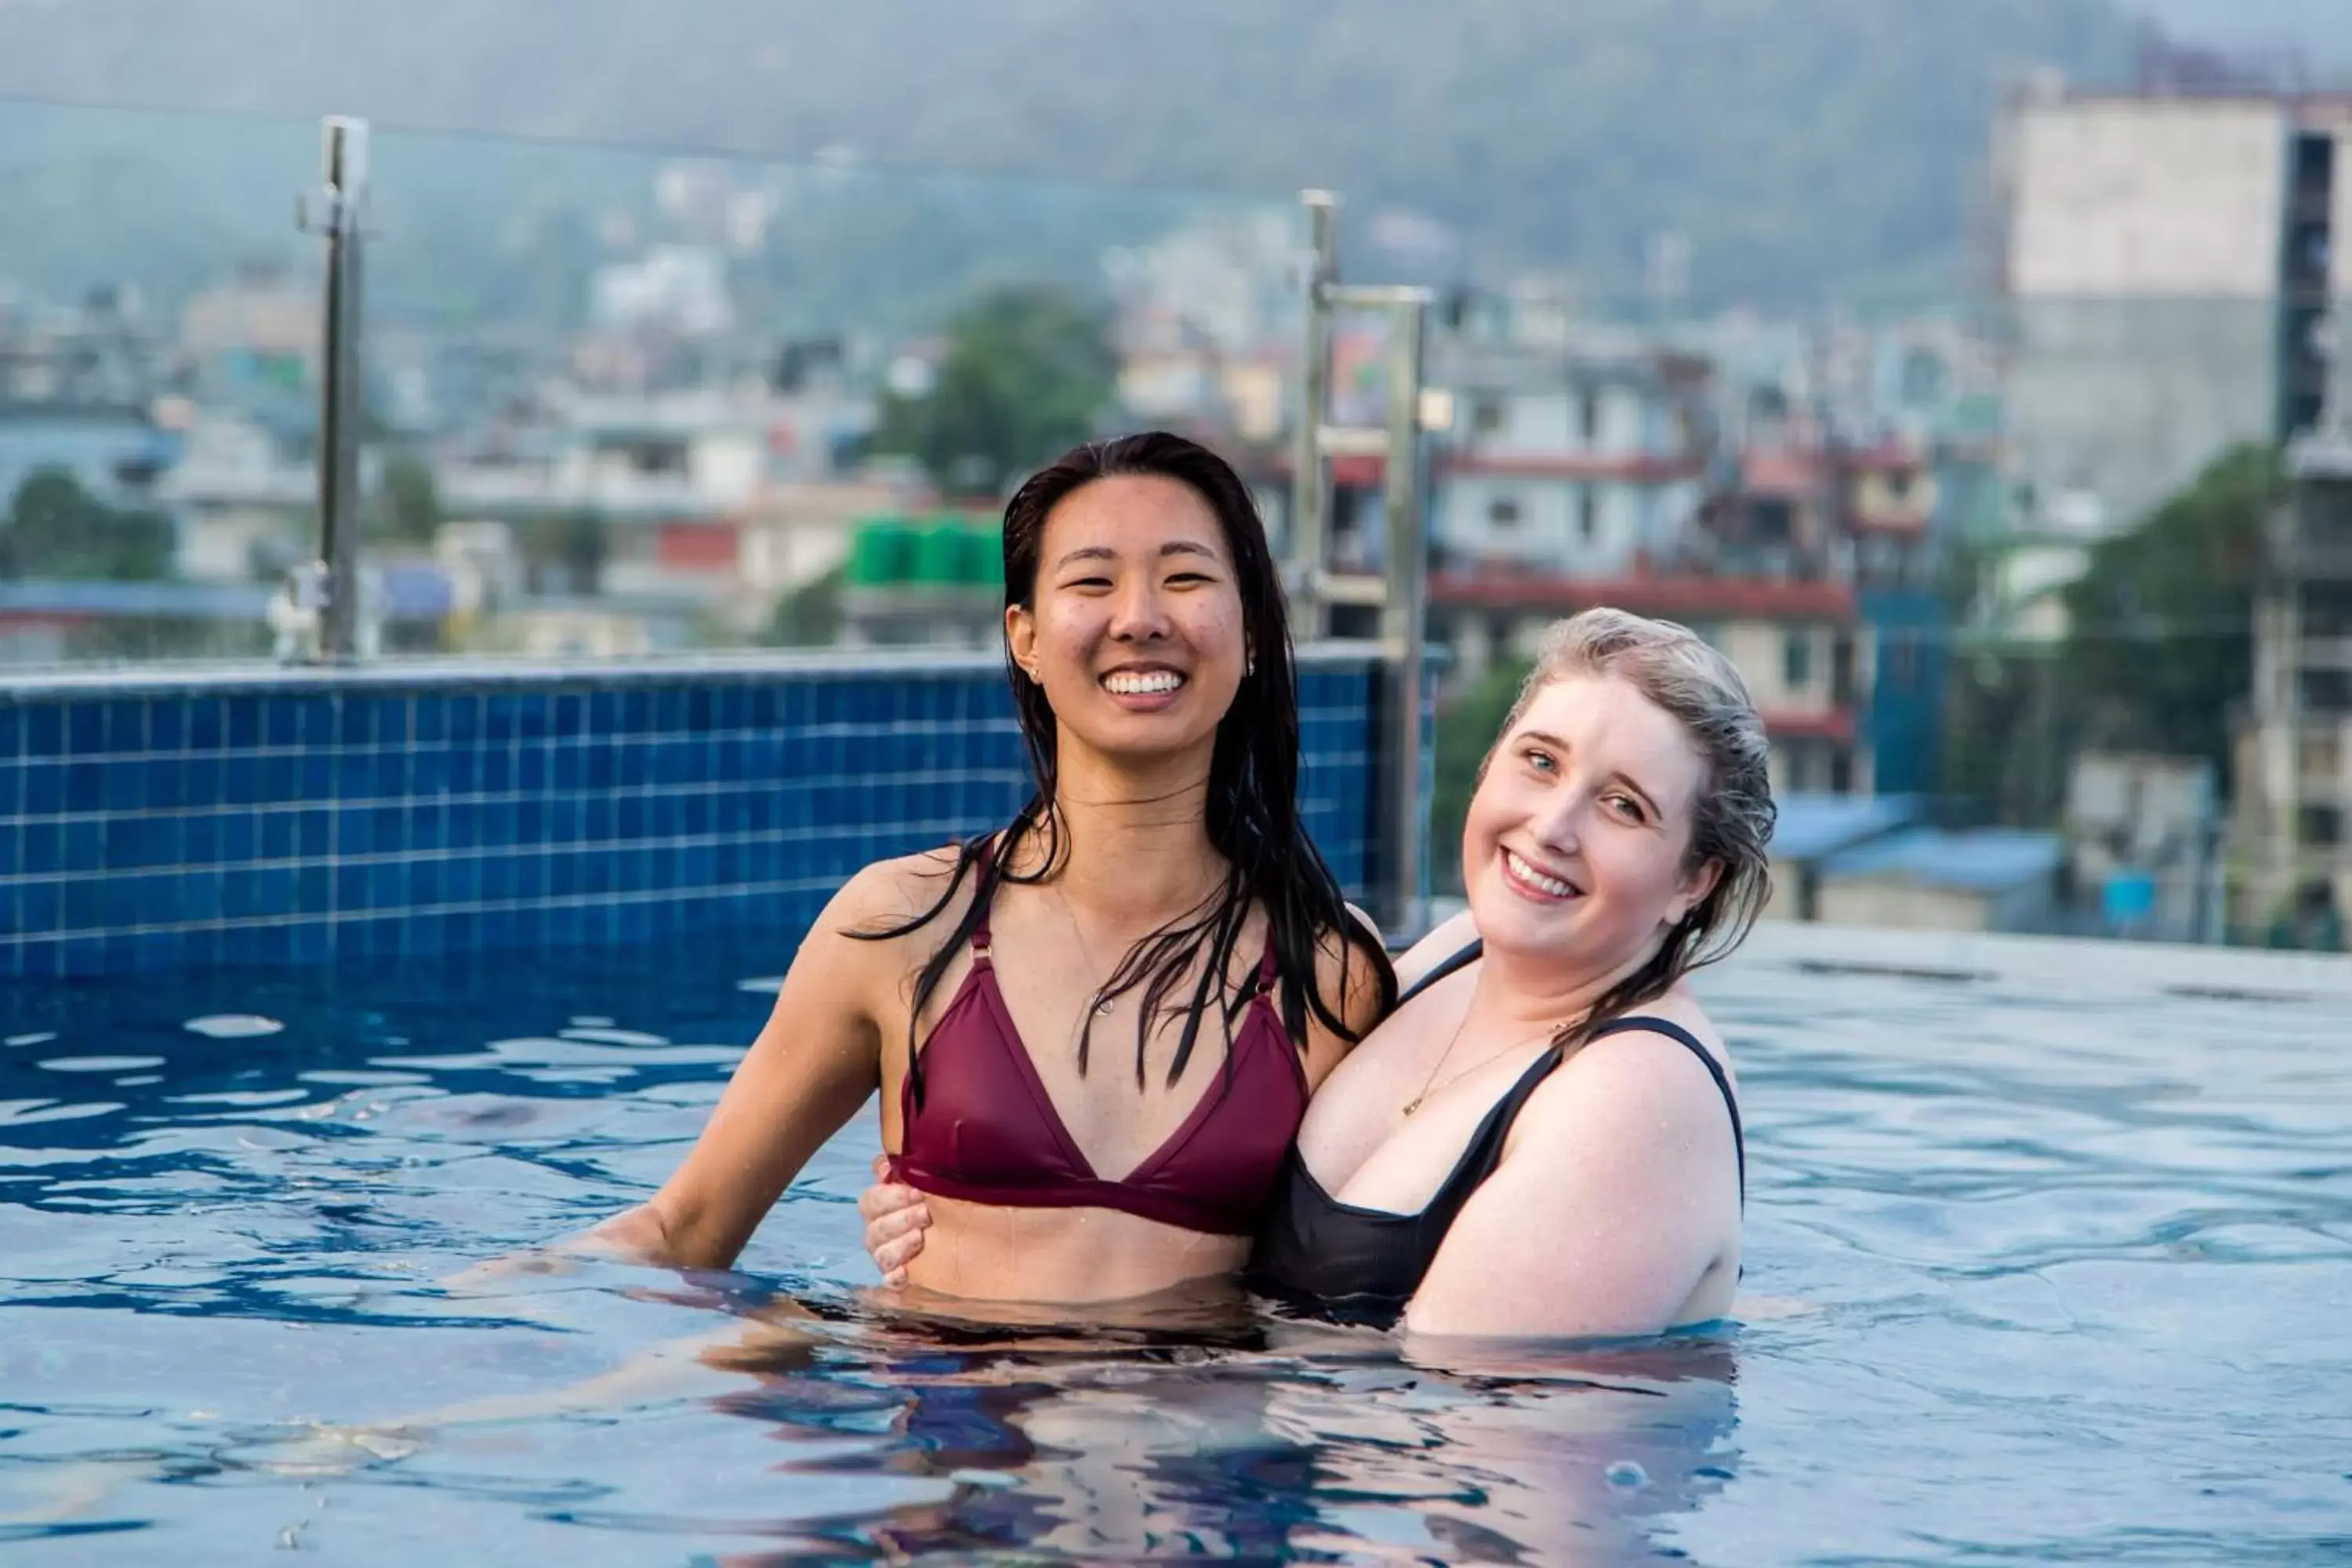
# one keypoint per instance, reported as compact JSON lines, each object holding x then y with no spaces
{"x":2033,"y":1278}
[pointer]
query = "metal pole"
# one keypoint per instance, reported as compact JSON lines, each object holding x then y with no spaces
{"x":1404,"y":625}
{"x":345,"y":167}
{"x":1310,"y":485}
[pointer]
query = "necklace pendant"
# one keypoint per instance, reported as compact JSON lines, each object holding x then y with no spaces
{"x":1413,"y":1105}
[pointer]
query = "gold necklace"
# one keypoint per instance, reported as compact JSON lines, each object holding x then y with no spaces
{"x":1104,"y":1003}
{"x":1430,"y":1084}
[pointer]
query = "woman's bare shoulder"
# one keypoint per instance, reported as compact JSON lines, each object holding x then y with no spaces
{"x":1637,"y":1073}
{"x":1680,"y":1007}
{"x":888,"y":894}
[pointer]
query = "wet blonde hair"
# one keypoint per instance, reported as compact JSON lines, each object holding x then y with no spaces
{"x":1732,"y":811}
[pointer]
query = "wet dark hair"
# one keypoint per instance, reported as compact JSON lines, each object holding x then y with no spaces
{"x":1252,"y":800}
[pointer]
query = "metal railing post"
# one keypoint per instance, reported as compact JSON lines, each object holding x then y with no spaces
{"x":1401,"y":590}
{"x":1404,"y":623}
{"x":1310,"y":482}
{"x":336,"y":212}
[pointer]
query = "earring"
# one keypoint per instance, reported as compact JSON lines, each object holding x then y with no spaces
{"x":1249,"y":664}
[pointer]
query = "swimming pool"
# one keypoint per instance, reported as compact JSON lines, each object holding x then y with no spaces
{"x":2050,"y":1258}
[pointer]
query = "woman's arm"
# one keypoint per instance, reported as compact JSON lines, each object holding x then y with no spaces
{"x":810,"y":1069}
{"x":1617,"y":1194}
{"x":1348,"y":979}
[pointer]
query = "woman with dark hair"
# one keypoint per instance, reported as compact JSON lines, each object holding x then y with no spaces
{"x":1156,"y":891}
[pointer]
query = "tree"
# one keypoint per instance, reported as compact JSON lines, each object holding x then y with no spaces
{"x":1028,"y":370}
{"x":810,"y":615}
{"x":1466,"y":727}
{"x":408,"y":502}
{"x":57,"y":529}
{"x":2159,"y":643}
{"x":563,"y":553}
{"x":2008,"y":734}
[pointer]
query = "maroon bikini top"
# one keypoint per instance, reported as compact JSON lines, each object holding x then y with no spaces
{"x":987,"y":1132}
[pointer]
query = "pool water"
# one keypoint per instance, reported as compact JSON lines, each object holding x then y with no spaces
{"x":2042,"y":1266}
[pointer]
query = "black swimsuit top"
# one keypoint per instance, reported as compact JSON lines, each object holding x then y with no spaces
{"x":1361,"y":1266}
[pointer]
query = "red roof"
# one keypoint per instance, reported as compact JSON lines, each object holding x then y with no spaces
{"x":1588,"y":468}
{"x":1780,"y":471}
{"x":1835,"y":725}
{"x":1890,"y":456}
{"x":698,"y":546}
{"x":1764,"y":599}
{"x":1899,"y":524}
{"x":1624,"y":467}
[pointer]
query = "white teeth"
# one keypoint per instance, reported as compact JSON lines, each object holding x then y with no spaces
{"x":1537,"y":879}
{"x":1133,"y":683}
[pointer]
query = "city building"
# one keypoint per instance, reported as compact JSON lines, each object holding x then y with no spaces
{"x":247,"y":501}
{"x":2143,"y":832}
{"x":1802,"y":648}
{"x":2141,"y":262}
{"x":1590,"y":461}
{"x":1811,"y":828}
{"x":81,"y":390}
{"x":2292,"y":832}
{"x":1930,"y":879}
{"x":1596,"y":468}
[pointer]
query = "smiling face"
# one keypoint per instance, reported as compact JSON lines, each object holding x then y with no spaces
{"x":1134,"y":629}
{"x":1577,"y":843}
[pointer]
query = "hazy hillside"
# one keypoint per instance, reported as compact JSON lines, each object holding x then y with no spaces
{"x":1809,"y":148}
{"x":2321,"y":29}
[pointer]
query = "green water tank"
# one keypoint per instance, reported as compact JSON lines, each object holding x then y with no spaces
{"x":985,"y":559}
{"x":883,"y":553}
{"x":939,"y":555}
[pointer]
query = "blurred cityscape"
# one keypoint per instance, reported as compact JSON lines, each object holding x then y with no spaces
{"x":2044,"y":585}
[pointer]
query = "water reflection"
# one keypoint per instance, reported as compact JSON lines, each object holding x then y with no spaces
{"x":1273,"y":1443}
{"x":2077,"y":1290}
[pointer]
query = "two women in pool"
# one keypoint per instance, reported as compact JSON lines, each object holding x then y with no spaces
{"x":1541,"y":1140}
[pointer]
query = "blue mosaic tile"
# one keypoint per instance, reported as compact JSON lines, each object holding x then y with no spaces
{"x":462,"y":711}
{"x":314,"y":722}
{"x":44,"y":789}
{"x":153,"y":951}
{"x":277,"y":722}
{"x":44,"y":735}
{"x":312,"y":942}
{"x":244,"y":721}
{"x":278,"y":826}
{"x":82,"y":846}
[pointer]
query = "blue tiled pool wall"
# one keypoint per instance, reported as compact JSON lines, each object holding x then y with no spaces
{"x":295,"y":822}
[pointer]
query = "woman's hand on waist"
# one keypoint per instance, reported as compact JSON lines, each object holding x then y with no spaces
{"x":896,"y":1218}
